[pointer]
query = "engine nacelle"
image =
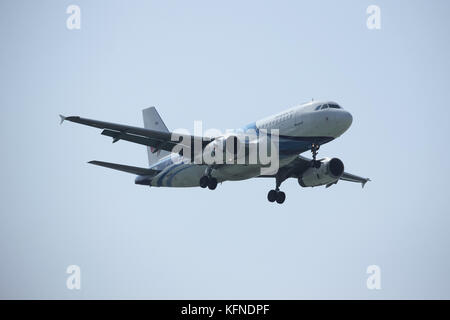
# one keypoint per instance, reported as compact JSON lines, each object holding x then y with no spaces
{"x":329,"y":172}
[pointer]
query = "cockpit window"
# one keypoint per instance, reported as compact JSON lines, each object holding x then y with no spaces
{"x":326,"y":106}
{"x":335,"y":106}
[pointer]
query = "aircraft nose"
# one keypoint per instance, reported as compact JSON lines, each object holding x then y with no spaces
{"x":344,"y":120}
{"x":348,"y":119}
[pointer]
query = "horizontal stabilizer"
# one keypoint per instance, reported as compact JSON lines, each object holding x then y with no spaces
{"x":124,"y":168}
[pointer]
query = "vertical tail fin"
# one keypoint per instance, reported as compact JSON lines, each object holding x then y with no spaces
{"x":153,"y":121}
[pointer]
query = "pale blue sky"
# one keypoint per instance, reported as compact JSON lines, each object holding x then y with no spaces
{"x":226,"y":63}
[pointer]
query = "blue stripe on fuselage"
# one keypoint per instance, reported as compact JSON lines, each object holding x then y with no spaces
{"x":292,"y":145}
{"x":159,"y":182}
{"x":251,"y":126}
{"x":169,"y":181}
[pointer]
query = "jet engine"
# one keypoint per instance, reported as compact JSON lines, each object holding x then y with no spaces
{"x":330,"y":171}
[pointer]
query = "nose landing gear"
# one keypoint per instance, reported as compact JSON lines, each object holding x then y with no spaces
{"x":314,"y":163}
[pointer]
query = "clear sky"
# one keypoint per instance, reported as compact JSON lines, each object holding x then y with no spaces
{"x":227,"y":63}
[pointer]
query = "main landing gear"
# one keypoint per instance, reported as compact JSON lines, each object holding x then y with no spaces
{"x":280,"y":196}
{"x":277,"y":195}
{"x":314,"y":162}
{"x":208,"y":181}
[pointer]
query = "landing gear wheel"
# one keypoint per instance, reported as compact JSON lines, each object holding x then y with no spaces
{"x":272,"y":196}
{"x":212,"y":183}
{"x":204,"y":181}
{"x":281,"y":196}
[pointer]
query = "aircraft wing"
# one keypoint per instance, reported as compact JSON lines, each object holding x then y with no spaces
{"x":299,"y":165}
{"x":159,"y":140}
{"x":124,"y":168}
{"x":353,"y":178}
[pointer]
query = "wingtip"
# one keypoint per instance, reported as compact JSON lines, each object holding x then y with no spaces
{"x":62,"y":118}
{"x":364,"y":183}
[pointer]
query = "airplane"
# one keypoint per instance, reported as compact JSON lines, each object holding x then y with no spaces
{"x":301,"y":128}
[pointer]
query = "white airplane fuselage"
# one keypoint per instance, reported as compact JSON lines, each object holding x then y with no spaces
{"x":299,"y":127}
